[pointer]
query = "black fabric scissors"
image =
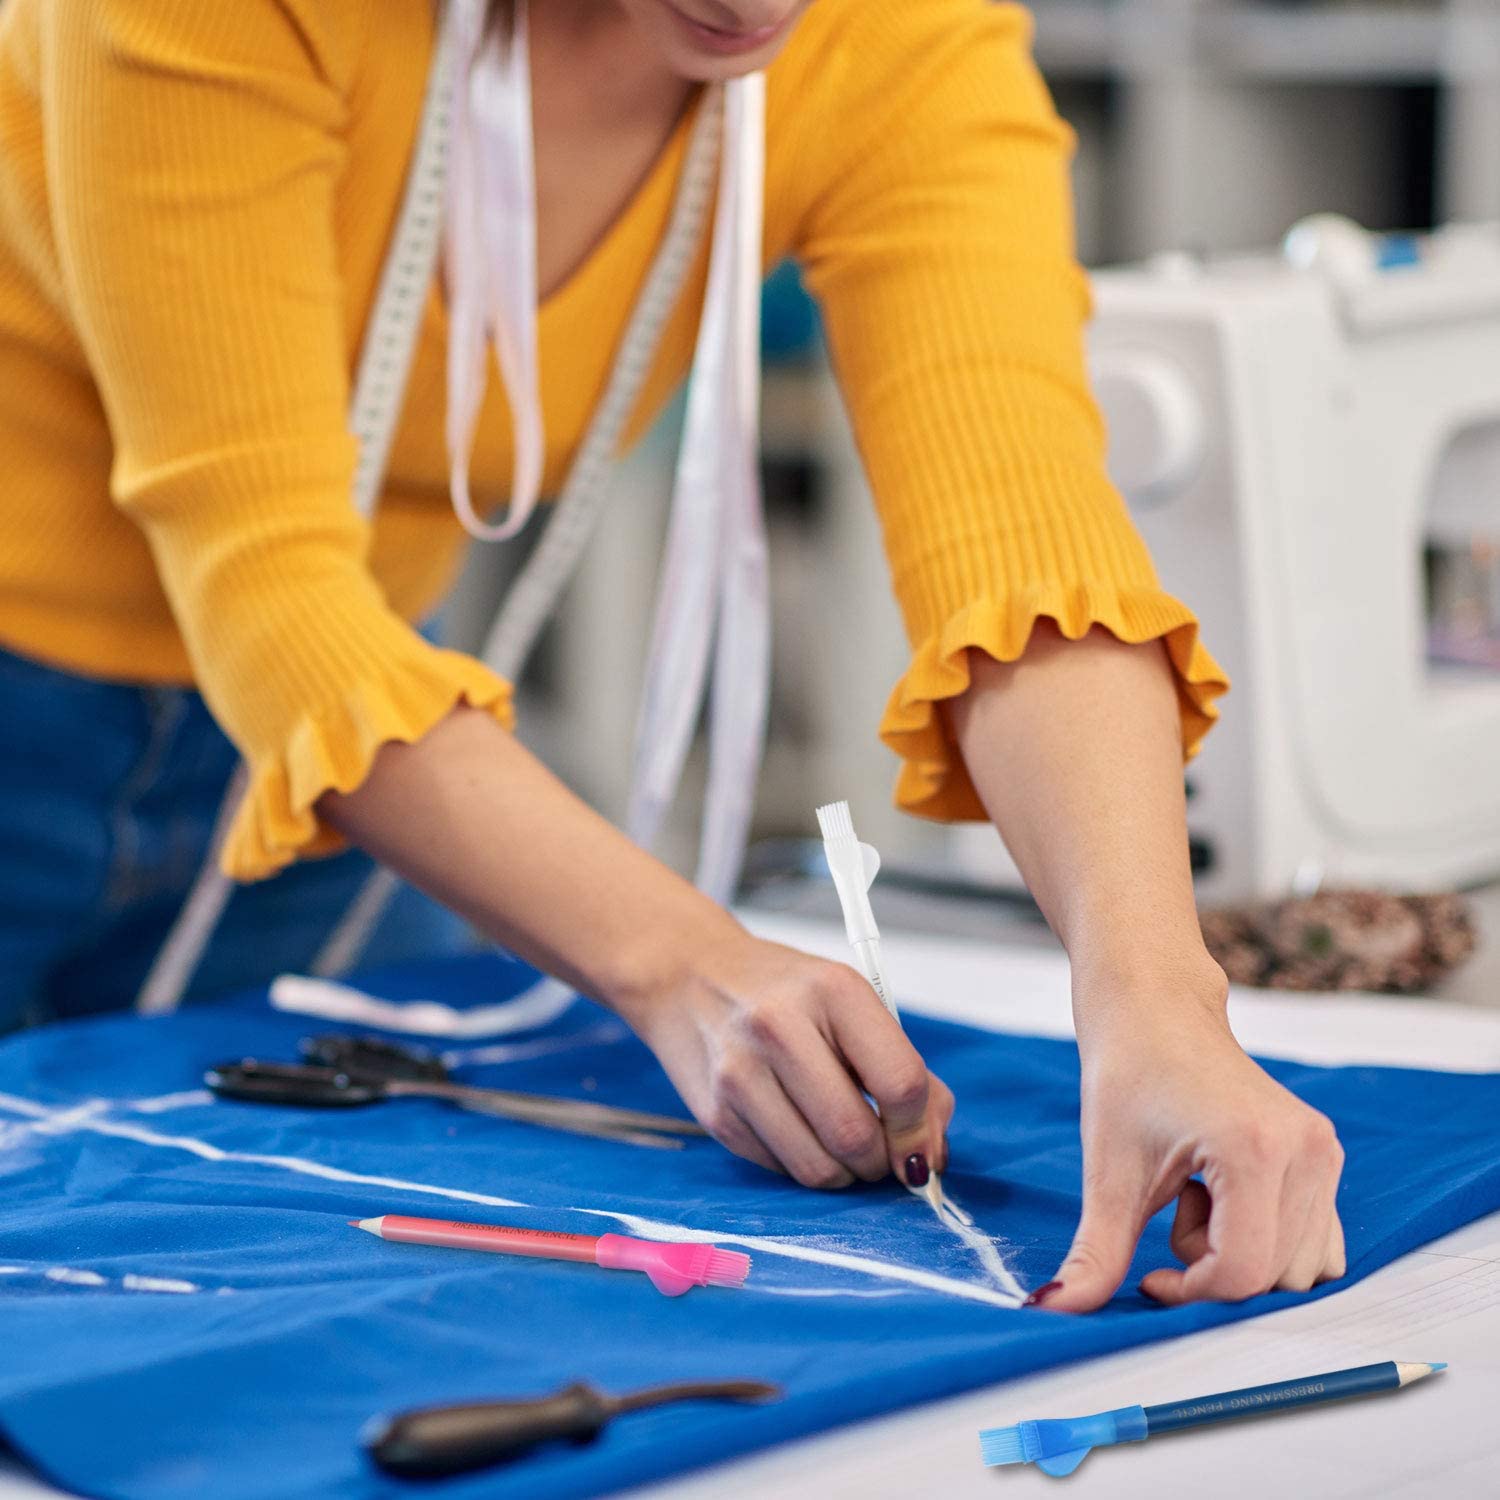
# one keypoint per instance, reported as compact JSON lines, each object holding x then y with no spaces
{"x":345,"y":1072}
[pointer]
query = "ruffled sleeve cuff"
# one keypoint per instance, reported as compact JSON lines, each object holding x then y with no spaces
{"x":933,"y":781}
{"x":276,"y":823}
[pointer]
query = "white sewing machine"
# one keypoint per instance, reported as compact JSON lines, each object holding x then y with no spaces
{"x":1309,"y":442}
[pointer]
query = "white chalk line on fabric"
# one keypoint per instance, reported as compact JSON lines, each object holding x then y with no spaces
{"x":88,"y":1118}
{"x":955,"y":1218}
{"x":135,"y":1283}
{"x":130,"y":1282}
{"x":73,"y":1276}
{"x":821,"y":1291}
{"x":62,"y":1121}
{"x":163,"y":1102}
{"x":53,"y":1122}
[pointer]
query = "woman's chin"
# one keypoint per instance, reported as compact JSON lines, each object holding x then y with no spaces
{"x":700,"y":69}
{"x":698,"y":53}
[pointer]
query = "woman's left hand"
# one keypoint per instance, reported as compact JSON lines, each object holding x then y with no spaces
{"x":1168,"y":1097}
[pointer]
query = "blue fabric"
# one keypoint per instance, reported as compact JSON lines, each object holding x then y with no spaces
{"x":257,"y":1383}
{"x":108,"y":796}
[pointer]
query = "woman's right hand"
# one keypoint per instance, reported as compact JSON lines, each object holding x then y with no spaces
{"x":773,"y":1051}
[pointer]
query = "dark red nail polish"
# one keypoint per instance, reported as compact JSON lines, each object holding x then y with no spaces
{"x":916,"y":1170}
{"x":1039,"y":1297}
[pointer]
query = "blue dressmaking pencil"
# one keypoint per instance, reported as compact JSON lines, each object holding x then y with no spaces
{"x":1058,"y":1447}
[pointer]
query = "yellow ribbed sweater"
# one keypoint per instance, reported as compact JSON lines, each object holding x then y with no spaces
{"x":194,"y":204}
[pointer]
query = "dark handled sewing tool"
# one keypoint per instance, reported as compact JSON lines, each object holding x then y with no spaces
{"x":357,"y":1071}
{"x":373,"y":1054}
{"x":436,"y":1440}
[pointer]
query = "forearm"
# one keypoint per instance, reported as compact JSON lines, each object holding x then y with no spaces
{"x":474,"y":819}
{"x":771,"y":1049}
{"x":1075,"y":751}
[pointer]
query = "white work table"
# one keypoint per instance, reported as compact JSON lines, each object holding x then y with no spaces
{"x":1440,"y":1303}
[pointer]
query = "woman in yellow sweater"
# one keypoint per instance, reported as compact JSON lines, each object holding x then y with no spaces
{"x":195,"y":202}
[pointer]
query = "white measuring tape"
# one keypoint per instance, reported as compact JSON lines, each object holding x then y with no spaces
{"x":714,"y":575}
{"x":530,"y":599}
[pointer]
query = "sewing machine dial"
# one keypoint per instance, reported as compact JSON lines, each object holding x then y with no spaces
{"x":1155,"y":423}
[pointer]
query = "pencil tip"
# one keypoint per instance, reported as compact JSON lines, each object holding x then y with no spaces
{"x":352,"y":1223}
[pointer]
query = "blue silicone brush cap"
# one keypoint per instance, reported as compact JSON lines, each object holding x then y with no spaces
{"x":1064,"y":1444}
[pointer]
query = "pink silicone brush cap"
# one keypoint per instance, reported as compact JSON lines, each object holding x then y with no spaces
{"x":673,"y":1269}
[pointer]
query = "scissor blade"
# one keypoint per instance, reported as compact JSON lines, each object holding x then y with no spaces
{"x":561,"y":1119}
{"x":605,"y":1116}
{"x":638,"y":1119}
{"x":577,"y":1117}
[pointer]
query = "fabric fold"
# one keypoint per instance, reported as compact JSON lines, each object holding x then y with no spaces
{"x":334,"y":749}
{"x":933,"y":781}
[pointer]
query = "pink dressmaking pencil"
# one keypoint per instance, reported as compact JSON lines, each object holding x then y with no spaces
{"x":673,"y":1269}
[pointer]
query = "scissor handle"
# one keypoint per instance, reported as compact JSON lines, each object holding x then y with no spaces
{"x":373,"y":1056}
{"x":292,"y":1083}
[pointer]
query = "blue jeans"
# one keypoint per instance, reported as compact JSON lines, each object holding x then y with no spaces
{"x":108,"y":794}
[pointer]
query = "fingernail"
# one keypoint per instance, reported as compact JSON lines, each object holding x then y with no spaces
{"x":1039,"y":1297}
{"x":916,"y":1170}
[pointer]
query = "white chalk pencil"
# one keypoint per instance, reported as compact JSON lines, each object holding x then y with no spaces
{"x":854,"y":866}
